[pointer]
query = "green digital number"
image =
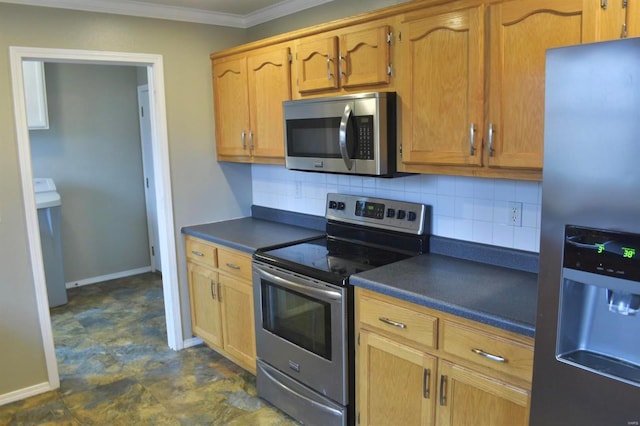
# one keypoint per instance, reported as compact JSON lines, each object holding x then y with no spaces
{"x":600,"y":247}
{"x":628,"y":252}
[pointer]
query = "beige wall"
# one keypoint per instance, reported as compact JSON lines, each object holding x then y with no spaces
{"x":203,"y":190}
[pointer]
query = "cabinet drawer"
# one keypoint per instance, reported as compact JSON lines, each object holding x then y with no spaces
{"x":399,"y":321}
{"x":201,"y":252}
{"x":494,"y":352}
{"x":235,"y":263}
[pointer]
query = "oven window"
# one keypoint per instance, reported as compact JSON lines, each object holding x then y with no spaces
{"x":300,"y":319}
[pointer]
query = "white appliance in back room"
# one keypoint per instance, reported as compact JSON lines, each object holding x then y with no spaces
{"x":49,"y":207}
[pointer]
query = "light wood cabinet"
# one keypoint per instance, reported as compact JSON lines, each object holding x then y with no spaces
{"x":451,"y":372}
{"x":355,"y":58}
{"x":451,"y":124}
{"x":613,"y":19}
{"x":248,"y":92}
{"x":221,"y":298}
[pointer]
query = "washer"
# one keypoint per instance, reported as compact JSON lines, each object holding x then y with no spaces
{"x":49,"y":207}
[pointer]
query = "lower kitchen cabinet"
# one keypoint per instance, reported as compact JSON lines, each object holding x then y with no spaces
{"x":467,"y":397}
{"x":396,"y":383}
{"x":221,"y":297}
{"x":452,"y":371}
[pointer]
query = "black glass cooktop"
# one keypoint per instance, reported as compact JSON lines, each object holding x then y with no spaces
{"x":328,"y":259}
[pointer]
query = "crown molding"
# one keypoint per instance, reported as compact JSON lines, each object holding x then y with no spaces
{"x":174,"y":13}
{"x":278,"y":10}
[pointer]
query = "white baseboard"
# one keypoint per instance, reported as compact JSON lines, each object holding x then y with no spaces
{"x":25,"y":393}
{"x":94,"y":280}
{"x":194,"y":341}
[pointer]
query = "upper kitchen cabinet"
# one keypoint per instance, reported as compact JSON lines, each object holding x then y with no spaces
{"x":520,"y":33}
{"x":35,"y":93}
{"x":473,"y":96}
{"x":248,"y":91}
{"x":442,"y":87}
{"x":351,"y":59}
{"x":613,"y":19}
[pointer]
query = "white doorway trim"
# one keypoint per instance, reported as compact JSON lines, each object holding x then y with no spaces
{"x":155,"y":77}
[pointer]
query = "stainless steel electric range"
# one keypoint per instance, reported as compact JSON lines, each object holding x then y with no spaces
{"x":304,"y":303}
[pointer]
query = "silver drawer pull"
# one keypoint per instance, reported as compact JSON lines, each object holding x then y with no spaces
{"x":197,"y":253}
{"x":492,"y":357}
{"x":392,"y":322}
{"x":232,"y":266}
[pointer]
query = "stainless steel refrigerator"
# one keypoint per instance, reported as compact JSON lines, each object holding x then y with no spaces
{"x":587,"y":345}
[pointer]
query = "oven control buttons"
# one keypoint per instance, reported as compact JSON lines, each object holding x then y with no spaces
{"x":402,"y":214}
{"x":411,"y":216}
{"x":336,"y":205}
{"x":391,"y":212}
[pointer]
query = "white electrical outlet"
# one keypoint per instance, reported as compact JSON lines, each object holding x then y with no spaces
{"x":515,"y":213}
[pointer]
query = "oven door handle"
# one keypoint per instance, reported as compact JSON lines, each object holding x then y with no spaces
{"x":306,"y":288}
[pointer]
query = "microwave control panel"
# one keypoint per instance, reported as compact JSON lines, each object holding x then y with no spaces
{"x":364,"y":144}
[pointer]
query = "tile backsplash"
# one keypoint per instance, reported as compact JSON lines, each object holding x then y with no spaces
{"x":464,"y":208}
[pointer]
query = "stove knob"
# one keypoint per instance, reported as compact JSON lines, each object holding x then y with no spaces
{"x":333,"y":205}
{"x":391,"y":213}
{"x":341,"y":205}
{"x":401,"y":214}
{"x":411,"y":216}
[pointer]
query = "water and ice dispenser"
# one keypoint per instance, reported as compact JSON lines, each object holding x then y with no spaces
{"x":598,"y":319}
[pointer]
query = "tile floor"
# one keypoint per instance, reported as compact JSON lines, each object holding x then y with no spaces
{"x":116,"y":369}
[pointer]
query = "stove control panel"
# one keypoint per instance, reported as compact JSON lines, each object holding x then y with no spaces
{"x":381,"y":213}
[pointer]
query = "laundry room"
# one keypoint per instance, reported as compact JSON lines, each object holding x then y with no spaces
{"x":89,"y":179}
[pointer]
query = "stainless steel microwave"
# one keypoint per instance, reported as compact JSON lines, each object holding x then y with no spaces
{"x":352,"y":134}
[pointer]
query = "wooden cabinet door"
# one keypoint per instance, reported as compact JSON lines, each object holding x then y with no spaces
{"x":206,"y":320}
{"x":520,"y":33}
{"x":467,"y":398}
{"x":269,"y":84}
{"x":231,"y":102}
{"x":364,"y":57}
{"x":396,"y":384}
{"x":317,"y":63}
{"x":239,"y":328}
{"x":442,"y":89}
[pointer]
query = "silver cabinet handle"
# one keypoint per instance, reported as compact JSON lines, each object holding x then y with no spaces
{"x":425,"y":383}
{"x":212,"y":287}
{"x":197,"y":253}
{"x":392,"y":322}
{"x":243,"y":135}
{"x":496,"y":358}
{"x":491,"y":139}
{"x":443,"y":389}
{"x":329,"y":67}
{"x":341,"y":60}
{"x":342,"y":136}
{"x":472,"y":139}
{"x":219,"y":292}
{"x":232,"y":266}
{"x":251,"y":140}
{"x":604,"y":4}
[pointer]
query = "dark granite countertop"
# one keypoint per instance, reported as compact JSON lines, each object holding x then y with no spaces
{"x":494,"y":295}
{"x":249,"y":233}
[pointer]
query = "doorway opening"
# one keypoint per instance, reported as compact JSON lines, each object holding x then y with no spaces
{"x":160,"y":166}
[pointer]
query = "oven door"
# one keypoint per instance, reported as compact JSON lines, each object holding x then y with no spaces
{"x":301,"y":329}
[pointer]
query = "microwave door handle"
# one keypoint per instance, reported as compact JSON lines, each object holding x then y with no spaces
{"x":344,"y":121}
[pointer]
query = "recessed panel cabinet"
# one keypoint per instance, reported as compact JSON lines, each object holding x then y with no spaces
{"x":464,"y":116}
{"x":354,"y":58}
{"x":221,"y":299}
{"x":451,"y":371}
{"x":248,"y":93}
